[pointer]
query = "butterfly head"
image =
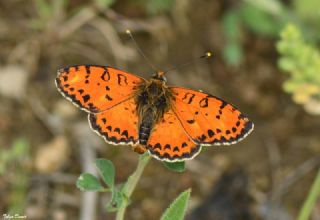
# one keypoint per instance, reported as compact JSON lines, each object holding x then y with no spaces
{"x":160,"y":75}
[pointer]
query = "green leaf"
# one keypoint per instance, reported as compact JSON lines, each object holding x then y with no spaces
{"x":88,"y":182}
{"x":260,"y":21}
{"x":176,"y":166}
{"x":231,"y":25}
{"x":117,"y":198}
{"x":233,"y":53}
{"x":310,"y":202}
{"x":177,"y":209}
{"x":107,"y":171}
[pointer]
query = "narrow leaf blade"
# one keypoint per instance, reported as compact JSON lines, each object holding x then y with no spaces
{"x":178,"y":207}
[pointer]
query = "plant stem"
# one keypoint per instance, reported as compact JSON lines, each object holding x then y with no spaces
{"x":311,"y":199}
{"x":131,"y":184}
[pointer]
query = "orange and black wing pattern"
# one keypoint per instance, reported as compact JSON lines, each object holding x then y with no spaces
{"x":96,"y":88}
{"x":117,"y":125}
{"x":170,"y":142}
{"x":209,"y":120}
{"x":107,"y":94}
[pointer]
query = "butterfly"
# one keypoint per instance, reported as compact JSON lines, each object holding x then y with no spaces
{"x":171,"y":123}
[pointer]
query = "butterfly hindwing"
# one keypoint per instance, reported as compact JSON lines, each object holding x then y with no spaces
{"x":209,"y":120}
{"x":169,"y":142}
{"x":96,"y":88}
{"x":117,"y":125}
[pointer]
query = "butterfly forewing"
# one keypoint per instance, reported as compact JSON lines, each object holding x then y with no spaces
{"x":209,"y":120}
{"x":96,"y":88}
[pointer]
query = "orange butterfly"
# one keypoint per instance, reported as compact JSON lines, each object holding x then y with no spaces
{"x":172,"y":123}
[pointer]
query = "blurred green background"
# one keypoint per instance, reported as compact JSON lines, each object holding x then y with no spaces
{"x":266,"y":61}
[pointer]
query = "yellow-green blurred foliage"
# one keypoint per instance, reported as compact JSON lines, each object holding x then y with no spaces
{"x":302,"y":62}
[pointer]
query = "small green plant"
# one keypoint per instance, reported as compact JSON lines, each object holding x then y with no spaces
{"x":12,"y":167}
{"x":121,"y":193}
{"x":302,"y":62}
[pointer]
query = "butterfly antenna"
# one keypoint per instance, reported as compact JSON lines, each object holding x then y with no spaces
{"x":206,"y":55}
{"x":140,"y":51}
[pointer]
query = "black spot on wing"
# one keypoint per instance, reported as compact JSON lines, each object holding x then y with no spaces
{"x":210,"y":133}
{"x":105,"y":75}
{"x":203,"y":102}
{"x":117,"y":130}
{"x":157,"y":145}
{"x":92,"y":108}
{"x":223,"y":104}
{"x":108,"y":97}
{"x":122,"y":80}
{"x":188,"y":98}
{"x":86,"y":98}
{"x":167,"y":146}
{"x":191,"y":121}
{"x":88,"y":69}
{"x":125,"y":133}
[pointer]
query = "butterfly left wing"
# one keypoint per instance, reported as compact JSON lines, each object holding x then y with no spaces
{"x":96,"y":88}
{"x":169,"y":142}
{"x":209,"y":120}
{"x":117,"y":125}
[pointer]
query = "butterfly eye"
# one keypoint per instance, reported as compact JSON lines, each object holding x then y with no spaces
{"x":164,"y":78}
{"x":159,"y":76}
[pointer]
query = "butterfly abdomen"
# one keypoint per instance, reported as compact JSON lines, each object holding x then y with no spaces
{"x":145,"y":128}
{"x":152,"y":103}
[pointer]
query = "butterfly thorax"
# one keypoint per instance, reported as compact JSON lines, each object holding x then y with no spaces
{"x":153,"y":99}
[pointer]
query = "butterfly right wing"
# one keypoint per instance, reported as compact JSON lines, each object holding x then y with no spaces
{"x":169,"y":141}
{"x":96,"y":88}
{"x":209,"y":120}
